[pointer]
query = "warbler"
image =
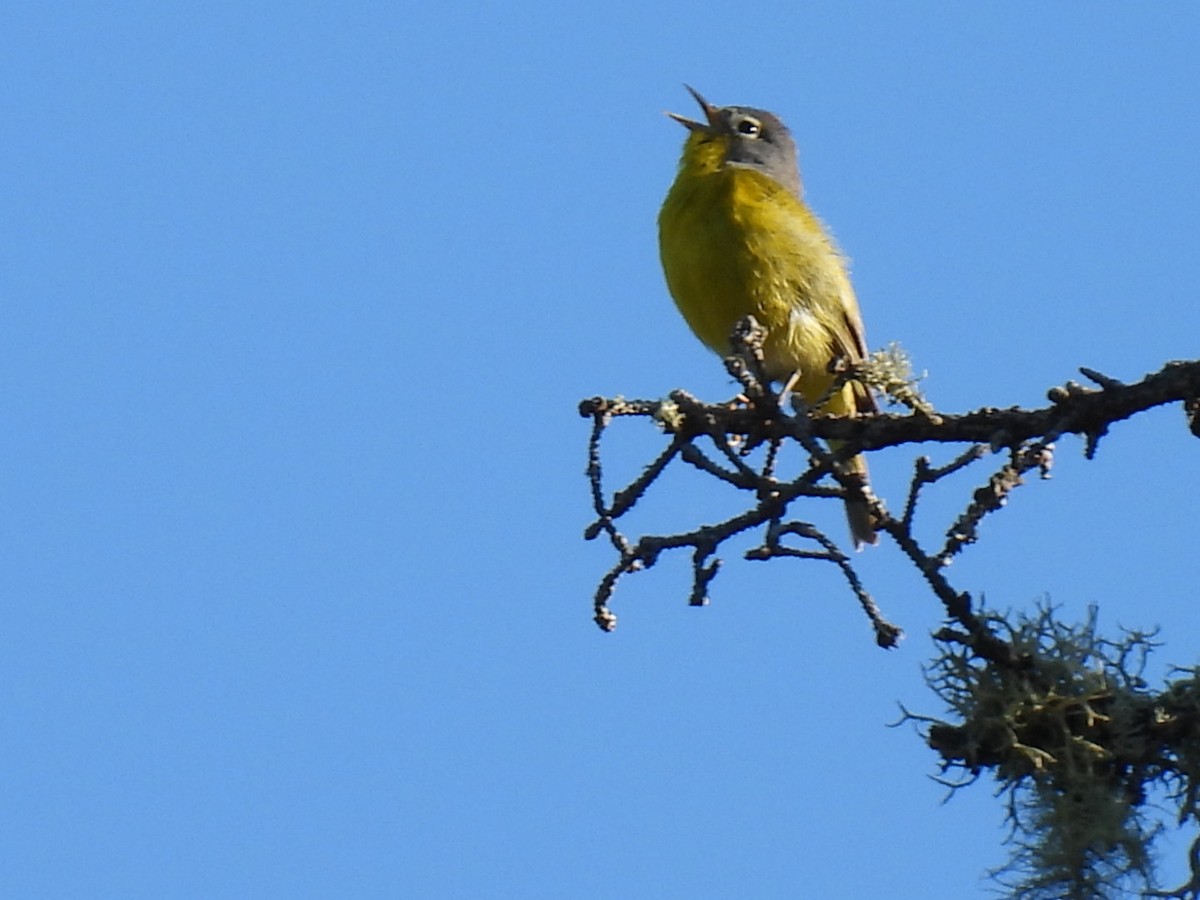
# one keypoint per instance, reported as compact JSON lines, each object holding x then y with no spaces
{"x":736,"y":239}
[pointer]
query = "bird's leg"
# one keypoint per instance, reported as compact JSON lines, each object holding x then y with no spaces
{"x":785,"y":395}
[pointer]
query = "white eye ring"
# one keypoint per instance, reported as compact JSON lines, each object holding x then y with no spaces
{"x":749,"y":127}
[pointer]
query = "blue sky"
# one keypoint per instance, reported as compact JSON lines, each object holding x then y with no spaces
{"x":298,"y":301}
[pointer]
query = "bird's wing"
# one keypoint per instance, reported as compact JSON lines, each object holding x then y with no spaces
{"x":850,"y":343}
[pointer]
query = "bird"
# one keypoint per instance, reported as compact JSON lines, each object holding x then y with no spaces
{"x":737,"y":239}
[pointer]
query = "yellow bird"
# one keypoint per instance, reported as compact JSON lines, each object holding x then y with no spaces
{"x":737,"y":239}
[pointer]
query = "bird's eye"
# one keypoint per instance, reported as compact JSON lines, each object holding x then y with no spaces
{"x":749,"y":127}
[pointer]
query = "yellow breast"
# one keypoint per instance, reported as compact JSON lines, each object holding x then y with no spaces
{"x":735,"y":243}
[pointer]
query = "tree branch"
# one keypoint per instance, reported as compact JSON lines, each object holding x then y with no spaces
{"x":1061,"y":716}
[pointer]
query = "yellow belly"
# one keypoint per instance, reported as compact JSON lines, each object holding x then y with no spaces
{"x":735,"y":243}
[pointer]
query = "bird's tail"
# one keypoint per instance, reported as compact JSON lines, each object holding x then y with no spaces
{"x":858,"y":510}
{"x":855,"y":398}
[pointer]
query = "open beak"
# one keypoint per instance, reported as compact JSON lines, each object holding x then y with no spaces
{"x":710,"y":113}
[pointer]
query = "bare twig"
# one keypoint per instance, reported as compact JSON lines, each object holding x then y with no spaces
{"x":738,"y":428}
